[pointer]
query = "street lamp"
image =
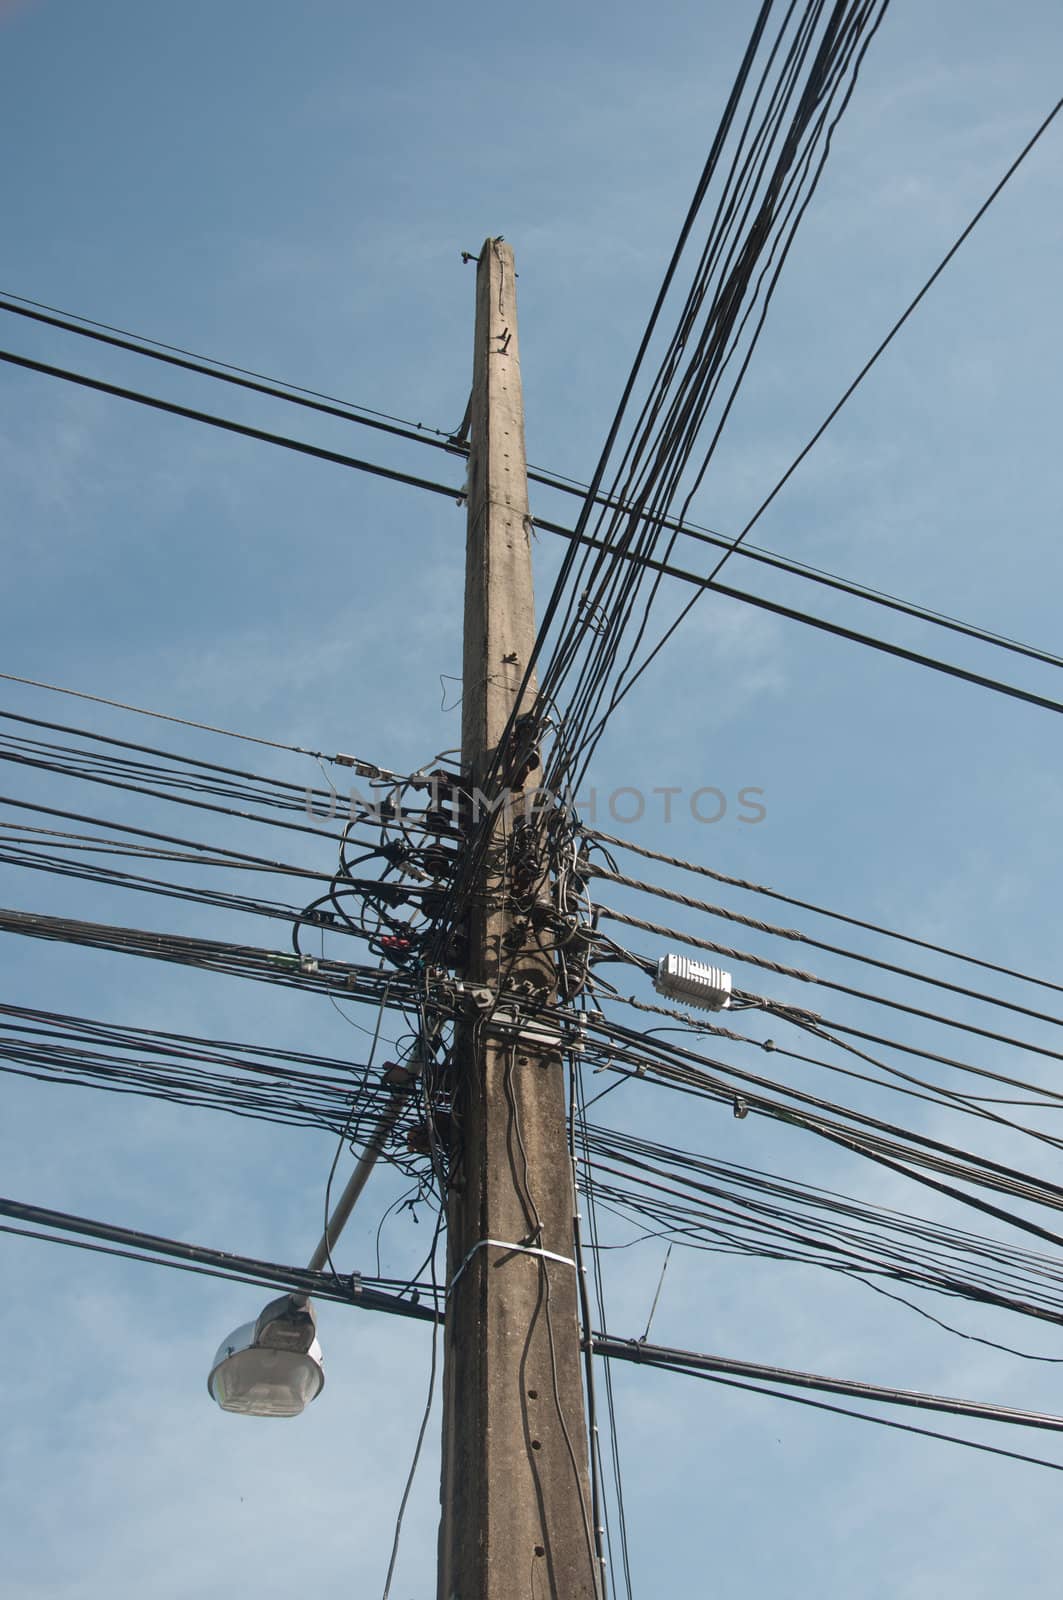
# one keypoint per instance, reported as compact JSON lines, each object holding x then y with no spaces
{"x":271,"y":1367}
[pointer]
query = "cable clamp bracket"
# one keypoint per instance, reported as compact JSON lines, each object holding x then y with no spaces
{"x":477,"y":995}
{"x":533,"y":1035}
{"x":520,"y":1249}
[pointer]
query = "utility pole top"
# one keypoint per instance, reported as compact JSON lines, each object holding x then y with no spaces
{"x":499,"y":602}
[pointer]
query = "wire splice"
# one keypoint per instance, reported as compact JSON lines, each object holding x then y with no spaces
{"x":681,"y":978}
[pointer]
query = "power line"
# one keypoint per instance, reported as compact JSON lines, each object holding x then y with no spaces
{"x":898,"y":1082}
{"x":186,"y":761}
{"x":800,"y":569}
{"x":862,"y":1416}
{"x":226,"y":900}
{"x":897,"y":326}
{"x":419,"y":1444}
{"x":420,"y":433}
{"x":190,"y":773}
{"x":773,"y":175}
{"x":238,"y":857}
{"x":825,"y":983}
{"x":225,"y":372}
{"x":99,"y":777}
{"x":774,"y":163}
{"x":621,"y":692}
{"x":806,"y":905}
{"x":317,"y":975}
{"x":761,"y":602}
{"x":624,"y":1050}
{"x":284,"y":1086}
{"x":729,"y":1366}
{"x":164,"y":716}
{"x":187,"y":773}
{"x":339,"y":459}
{"x":283,"y":441}
{"x":366,"y":1294}
{"x":664,"y":568}
{"x":156,"y":1251}
{"x":161,"y":1251}
{"x":709,"y":1204}
{"x":796,"y":936}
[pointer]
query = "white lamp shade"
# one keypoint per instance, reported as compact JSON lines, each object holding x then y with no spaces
{"x":258,"y":1381}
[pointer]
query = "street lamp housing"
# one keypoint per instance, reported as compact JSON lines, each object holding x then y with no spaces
{"x":271,"y":1367}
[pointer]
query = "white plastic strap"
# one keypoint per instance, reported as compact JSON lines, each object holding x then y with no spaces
{"x":501,"y":1244}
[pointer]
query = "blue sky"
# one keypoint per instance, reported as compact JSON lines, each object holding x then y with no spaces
{"x":290,"y":188}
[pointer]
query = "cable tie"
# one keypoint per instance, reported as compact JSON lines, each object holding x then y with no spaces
{"x":501,"y":1244}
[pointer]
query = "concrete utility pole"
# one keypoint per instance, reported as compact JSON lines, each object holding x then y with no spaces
{"x":516,"y":1507}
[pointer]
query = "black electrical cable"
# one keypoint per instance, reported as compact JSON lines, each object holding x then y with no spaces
{"x":161,"y":794}
{"x":438,"y":439}
{"x":621,"y":692}
{"x":577,"y":1102}
{"x":897,"y":326}
{"x":793,"y":568}
{"x":197,"y":762}
{"x":796,"y":936}
{"x":67,"y":846}
{"x":857,"y":1131}
{"x":694,"y":1361}
{"x":708,"y":172}
{"x":600,"y":1518}
{"x":575,"y":536}
{"x":214,"y":1071}
{"x":189,"y":773}
{"x":245,"y":961}
{"x":297,"y":1280}
{"x":800,"y":976}
{"x":300,"y":446}
{"x":163,"y":716}
{"x":237,"y":857}
{"x":782,"y":169}
{"x":345,"y":1133}
{"x":370,"y":1298}
{"x":937,"y":1094}
{"x":224,"y":900}
{"x":691,"y":1195}
{"x":239,"y":377}
{"x":419,"y":1445}
{"x":615,"y":842}
{"x":866,"y":1416}
{"x":816,"y":71}
{"x":853,"y":635}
